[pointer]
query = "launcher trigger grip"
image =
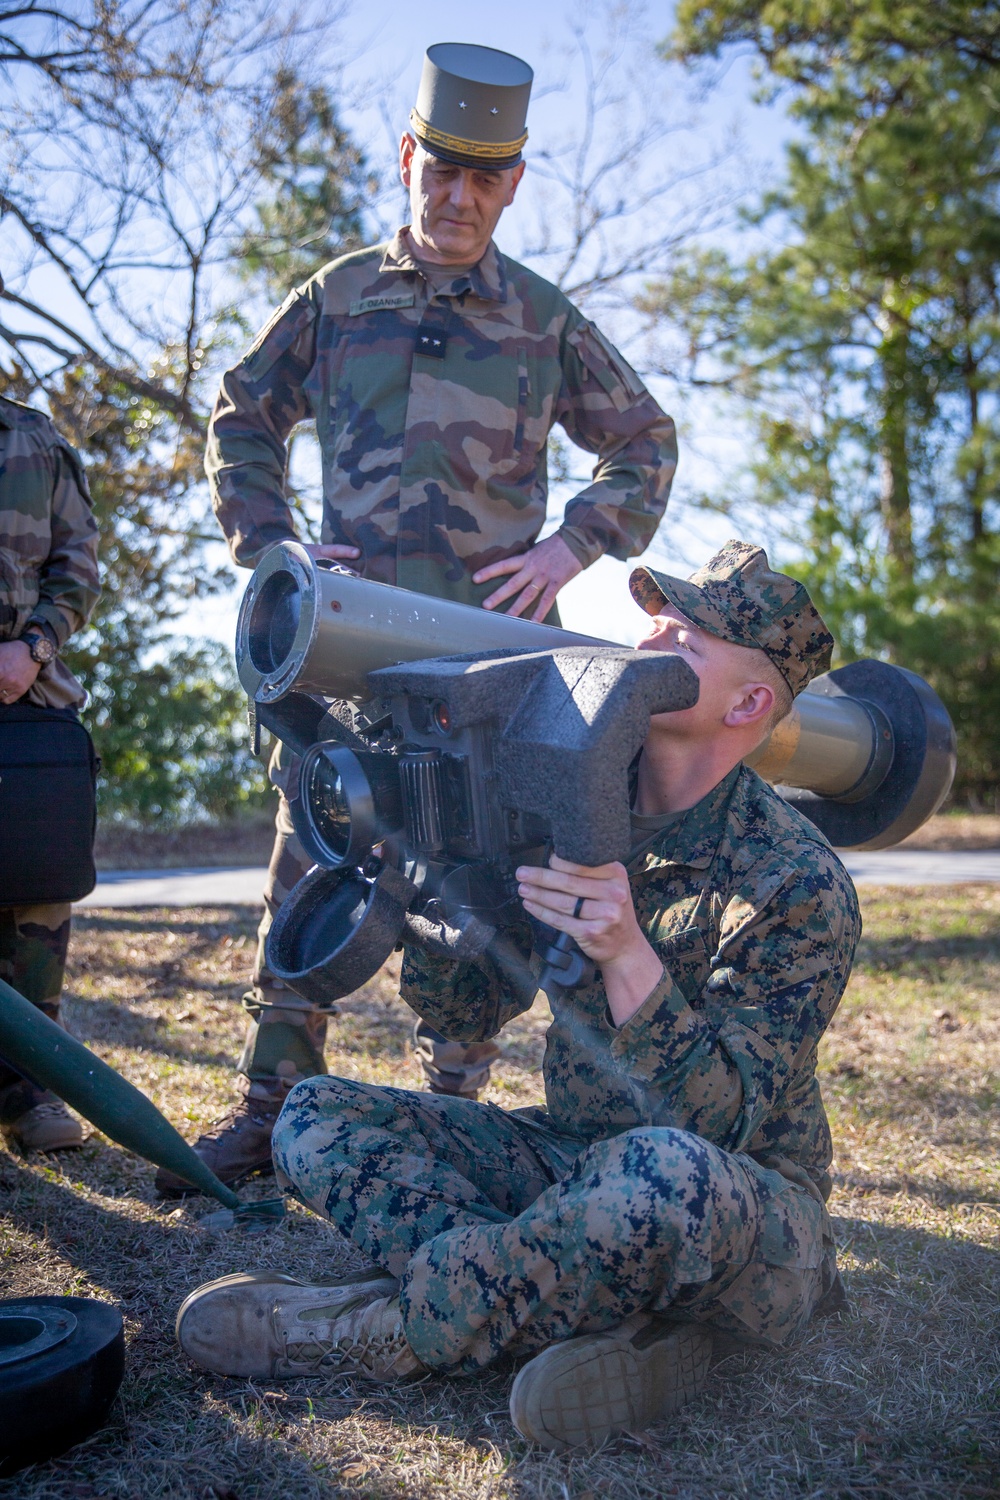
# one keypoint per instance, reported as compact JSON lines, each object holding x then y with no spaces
{"x":564,"y":966}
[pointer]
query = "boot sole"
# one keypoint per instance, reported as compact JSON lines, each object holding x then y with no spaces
{"x":583,"y":1391}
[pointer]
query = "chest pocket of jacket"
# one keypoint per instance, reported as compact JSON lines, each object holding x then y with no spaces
{"x":478,"y":398}
{"x":684,"y":955}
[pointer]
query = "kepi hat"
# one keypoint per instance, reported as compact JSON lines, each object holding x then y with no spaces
{"x":472,"y":105}
{"x":737,"y":597}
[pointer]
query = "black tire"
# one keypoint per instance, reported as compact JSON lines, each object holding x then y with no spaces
{"x":57,"y":1398}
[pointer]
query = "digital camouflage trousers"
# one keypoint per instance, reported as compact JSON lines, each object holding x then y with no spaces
{"x":34,"y":941}
{"x":286,"y":1035}
{"x":507,"y":1235}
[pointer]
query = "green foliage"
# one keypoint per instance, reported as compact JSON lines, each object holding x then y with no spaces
{"x":317,"y":191}
{"x":173,"y":740}
{"x":862,"y":337}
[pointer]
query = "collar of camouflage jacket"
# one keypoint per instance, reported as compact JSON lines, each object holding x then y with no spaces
{"x":487,"y":279}
{"x":694,"y":840}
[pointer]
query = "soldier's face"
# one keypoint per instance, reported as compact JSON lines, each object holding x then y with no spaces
{"x":730,"y":695}
{"x":454,"y":210}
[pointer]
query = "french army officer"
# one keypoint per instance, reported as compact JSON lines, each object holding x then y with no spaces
{"x":434,"y":368}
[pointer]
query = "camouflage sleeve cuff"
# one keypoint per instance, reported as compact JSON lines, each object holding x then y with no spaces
{"x":38,"y":622}
{"x":239,"y":547}
{"x":658,"y":1034}
{"x":583,"y":546}
{"x":47,"y":614}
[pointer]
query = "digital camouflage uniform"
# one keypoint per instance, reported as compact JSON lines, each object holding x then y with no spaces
{"x":433,"y":395}
{"x":48,"y":576}
{"x":681,"y":1160}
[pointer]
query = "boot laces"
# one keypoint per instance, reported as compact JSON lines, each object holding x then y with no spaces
{"x":366,"y":1350}
{"x":53,"y":1111}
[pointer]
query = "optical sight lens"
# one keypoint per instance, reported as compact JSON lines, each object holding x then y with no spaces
{"x":331,"y":813}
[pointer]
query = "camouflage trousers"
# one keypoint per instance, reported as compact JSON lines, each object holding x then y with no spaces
{"x":34,"y":941}
{"x":507,"y":1235}
{"x":286,"y":1035}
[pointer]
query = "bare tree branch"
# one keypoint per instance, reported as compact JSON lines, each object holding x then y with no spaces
{"x":134,"y":137}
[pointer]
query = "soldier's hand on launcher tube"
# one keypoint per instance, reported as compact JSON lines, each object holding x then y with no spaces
{"x":336,"y":550}
{"x":539,"y":574}
{"x":594,"y":905}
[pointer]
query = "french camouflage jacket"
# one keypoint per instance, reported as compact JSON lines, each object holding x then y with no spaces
{"x":48,"y":543}
{"x":433,"y":401}
{"x":756,"y":921}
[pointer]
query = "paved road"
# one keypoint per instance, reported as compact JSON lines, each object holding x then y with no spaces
{"x":243,"y":887}
{"x":178,"y":888}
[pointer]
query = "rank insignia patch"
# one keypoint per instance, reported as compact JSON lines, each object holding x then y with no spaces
{"x":431,"y":342}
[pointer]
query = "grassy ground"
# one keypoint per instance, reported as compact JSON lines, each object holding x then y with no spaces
{"x":898,"y":1400}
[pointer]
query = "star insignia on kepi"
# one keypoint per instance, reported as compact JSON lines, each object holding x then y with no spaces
{"x":462,"y":104}
{"x":494,"y":110}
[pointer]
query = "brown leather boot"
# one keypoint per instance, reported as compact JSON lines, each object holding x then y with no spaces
{"x":235,"y":1147}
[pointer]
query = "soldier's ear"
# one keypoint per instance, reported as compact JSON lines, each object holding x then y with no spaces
{"x":407,"y":146}
{"x":754,"y":702}
{"x":515,"y":178}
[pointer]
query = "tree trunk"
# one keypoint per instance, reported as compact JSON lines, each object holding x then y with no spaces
{"x":894,"y":451}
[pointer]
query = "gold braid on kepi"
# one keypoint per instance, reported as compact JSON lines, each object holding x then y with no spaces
{"x":472,"y":106}
{"x":490,"y":153}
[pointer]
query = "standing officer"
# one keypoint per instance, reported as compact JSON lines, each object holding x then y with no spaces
{"x":435,"y":368}
{"x":48,"y":587}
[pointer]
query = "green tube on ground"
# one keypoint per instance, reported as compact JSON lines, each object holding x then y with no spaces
{"x":52,"y":1058}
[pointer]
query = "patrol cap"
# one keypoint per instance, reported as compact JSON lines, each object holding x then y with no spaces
{"x":737,"y":597}
{"x":472,"y":105}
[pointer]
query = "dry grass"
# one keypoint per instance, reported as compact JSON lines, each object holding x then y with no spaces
{"x":957,"y":830}
{"x":896,"y":1401}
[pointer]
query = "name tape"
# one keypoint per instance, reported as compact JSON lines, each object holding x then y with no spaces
{"x":382,"y":304}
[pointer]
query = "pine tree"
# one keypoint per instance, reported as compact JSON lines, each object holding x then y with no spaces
{"x":863,"y":336}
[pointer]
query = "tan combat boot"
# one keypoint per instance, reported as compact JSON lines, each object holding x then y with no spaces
{"x":584,"y":1390}
{"x":235,"y":1147}
{"x":48,"y":1126}
{"x":267,"y":1325}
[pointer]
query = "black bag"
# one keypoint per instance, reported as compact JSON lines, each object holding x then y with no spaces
{"x":48,"y":806}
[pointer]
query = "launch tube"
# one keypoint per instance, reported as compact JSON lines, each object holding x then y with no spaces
{"x":867,"y":752}
{"x":317,"y":630}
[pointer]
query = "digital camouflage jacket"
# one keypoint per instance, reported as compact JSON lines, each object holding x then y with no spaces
{"x":756,"y":921}
{"x":433,"y":401}
{"x":48,"y":543}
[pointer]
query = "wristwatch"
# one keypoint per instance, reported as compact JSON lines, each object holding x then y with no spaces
{"x":41,"y":648}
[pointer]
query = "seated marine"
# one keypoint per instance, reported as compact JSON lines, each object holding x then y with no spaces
{"x":675,"y":1182}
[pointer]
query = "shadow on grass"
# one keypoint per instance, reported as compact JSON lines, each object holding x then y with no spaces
{"x":904,"y":955}
{"x":212,"y":923}
{"x":107,"y":1021}
{"x":915,"y":1091}
{"x":931,"y":1189}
